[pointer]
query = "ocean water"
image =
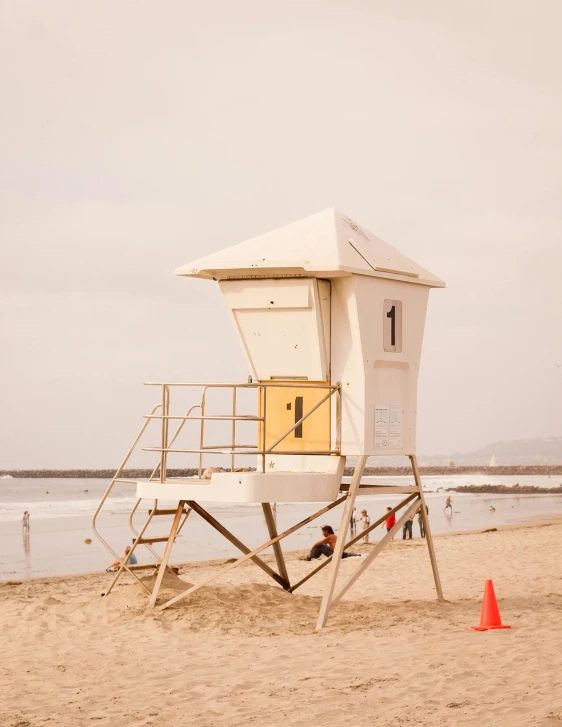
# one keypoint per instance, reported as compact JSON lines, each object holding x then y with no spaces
{"x":61,"y":513}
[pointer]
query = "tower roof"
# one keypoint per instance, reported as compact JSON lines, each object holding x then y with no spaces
{"x":325,"y":245}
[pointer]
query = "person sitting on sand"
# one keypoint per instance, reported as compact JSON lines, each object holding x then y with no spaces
{"x":209,"y":471}
{"x":326,"y":545}
{"x":129,"y":559}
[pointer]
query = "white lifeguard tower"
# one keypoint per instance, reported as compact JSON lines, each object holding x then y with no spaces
{"x":331,"y":322}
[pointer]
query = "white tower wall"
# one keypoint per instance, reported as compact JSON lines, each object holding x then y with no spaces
{"x":318,"y":330}
{"x":283,"y":325}
{"x":324,"y":300}
{"x":372,"y":378}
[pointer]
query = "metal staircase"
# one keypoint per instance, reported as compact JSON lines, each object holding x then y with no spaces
{"x":262,"y":449}
{"x":139,"y":537}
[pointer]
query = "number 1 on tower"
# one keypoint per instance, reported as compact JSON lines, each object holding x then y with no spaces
{"x":392,"y":326}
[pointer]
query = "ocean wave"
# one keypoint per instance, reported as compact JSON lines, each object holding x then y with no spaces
{"x":51,"y":509}
{"x":48,"y":509}
{"x":73,"y":506}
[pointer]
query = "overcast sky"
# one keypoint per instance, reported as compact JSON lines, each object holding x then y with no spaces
{"x":137,"y":136}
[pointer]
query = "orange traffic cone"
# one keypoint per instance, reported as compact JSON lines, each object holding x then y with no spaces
{"x":490,"y":618}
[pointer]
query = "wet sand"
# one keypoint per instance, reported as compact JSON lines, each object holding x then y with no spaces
{"x":61,"y":522}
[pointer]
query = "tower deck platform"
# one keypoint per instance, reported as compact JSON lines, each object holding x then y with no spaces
{"x":248,"y":487}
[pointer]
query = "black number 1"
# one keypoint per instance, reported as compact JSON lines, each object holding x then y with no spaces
{"x":298,"y":415}
{"x":299,"y":402}
{"x":392,"y":315}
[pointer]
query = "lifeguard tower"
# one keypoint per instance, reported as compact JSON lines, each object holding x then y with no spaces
{"x":331,"y":322}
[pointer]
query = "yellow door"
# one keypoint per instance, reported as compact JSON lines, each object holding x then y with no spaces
{"x":286,"y":405}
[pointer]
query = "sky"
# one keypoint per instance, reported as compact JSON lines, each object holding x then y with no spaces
{"x":137,"y":136}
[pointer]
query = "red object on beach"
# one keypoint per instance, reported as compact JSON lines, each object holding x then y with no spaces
{"x":490,"y":618}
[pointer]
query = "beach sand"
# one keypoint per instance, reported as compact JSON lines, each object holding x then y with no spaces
{"x":243,"y":652}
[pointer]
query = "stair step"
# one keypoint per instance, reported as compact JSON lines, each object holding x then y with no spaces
{"x":153,"y":566}
{"x":145,"y":566}
{"x":383,"y":489}
{"x":164,"y":512}
{"x":144,"y":541}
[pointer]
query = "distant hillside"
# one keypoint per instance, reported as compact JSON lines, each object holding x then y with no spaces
{"x":546,"y":451}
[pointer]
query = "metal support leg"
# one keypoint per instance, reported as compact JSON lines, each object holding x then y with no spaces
{"x":353,"y":540}
{"x":237,"y":543}
{"x":272,"y":530}
{"x":167,"y":551}
{"x":251,"y":555}
{"x":340,"y":542}
{"x":377,"y":549}
{"x":432,"y":557}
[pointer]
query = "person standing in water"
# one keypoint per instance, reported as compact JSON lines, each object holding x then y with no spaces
{"x":25,"y":521}
{"x":448,"y":504}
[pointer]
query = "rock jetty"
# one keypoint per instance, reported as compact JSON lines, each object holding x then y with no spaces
{"x":507,"y":489}
{"x":429,"y":471}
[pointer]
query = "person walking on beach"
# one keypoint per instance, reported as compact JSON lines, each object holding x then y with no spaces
{"x":353,"y":523}
{"x":390,"y":521}
{"x":25,"y":521}
{"x":129,"y":559}
{"x":421,"y":522}
{"x":407,"y":528}
{"x":326,"y":546}
{"x":448,"y":504}
{"x":365,"y":520}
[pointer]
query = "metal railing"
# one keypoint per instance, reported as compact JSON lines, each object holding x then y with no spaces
{"x":117,"y":479}
{"x":234,"y":449}
{"x":159,"y":473}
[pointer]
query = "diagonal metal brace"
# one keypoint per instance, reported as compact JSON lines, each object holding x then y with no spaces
{"x":239,"y":544}
{"x":252,"y":553}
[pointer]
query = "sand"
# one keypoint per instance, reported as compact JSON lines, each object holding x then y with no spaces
{"x":243,"y":652}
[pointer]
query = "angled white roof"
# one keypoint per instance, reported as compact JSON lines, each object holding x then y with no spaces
{"x":325,"y":245}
